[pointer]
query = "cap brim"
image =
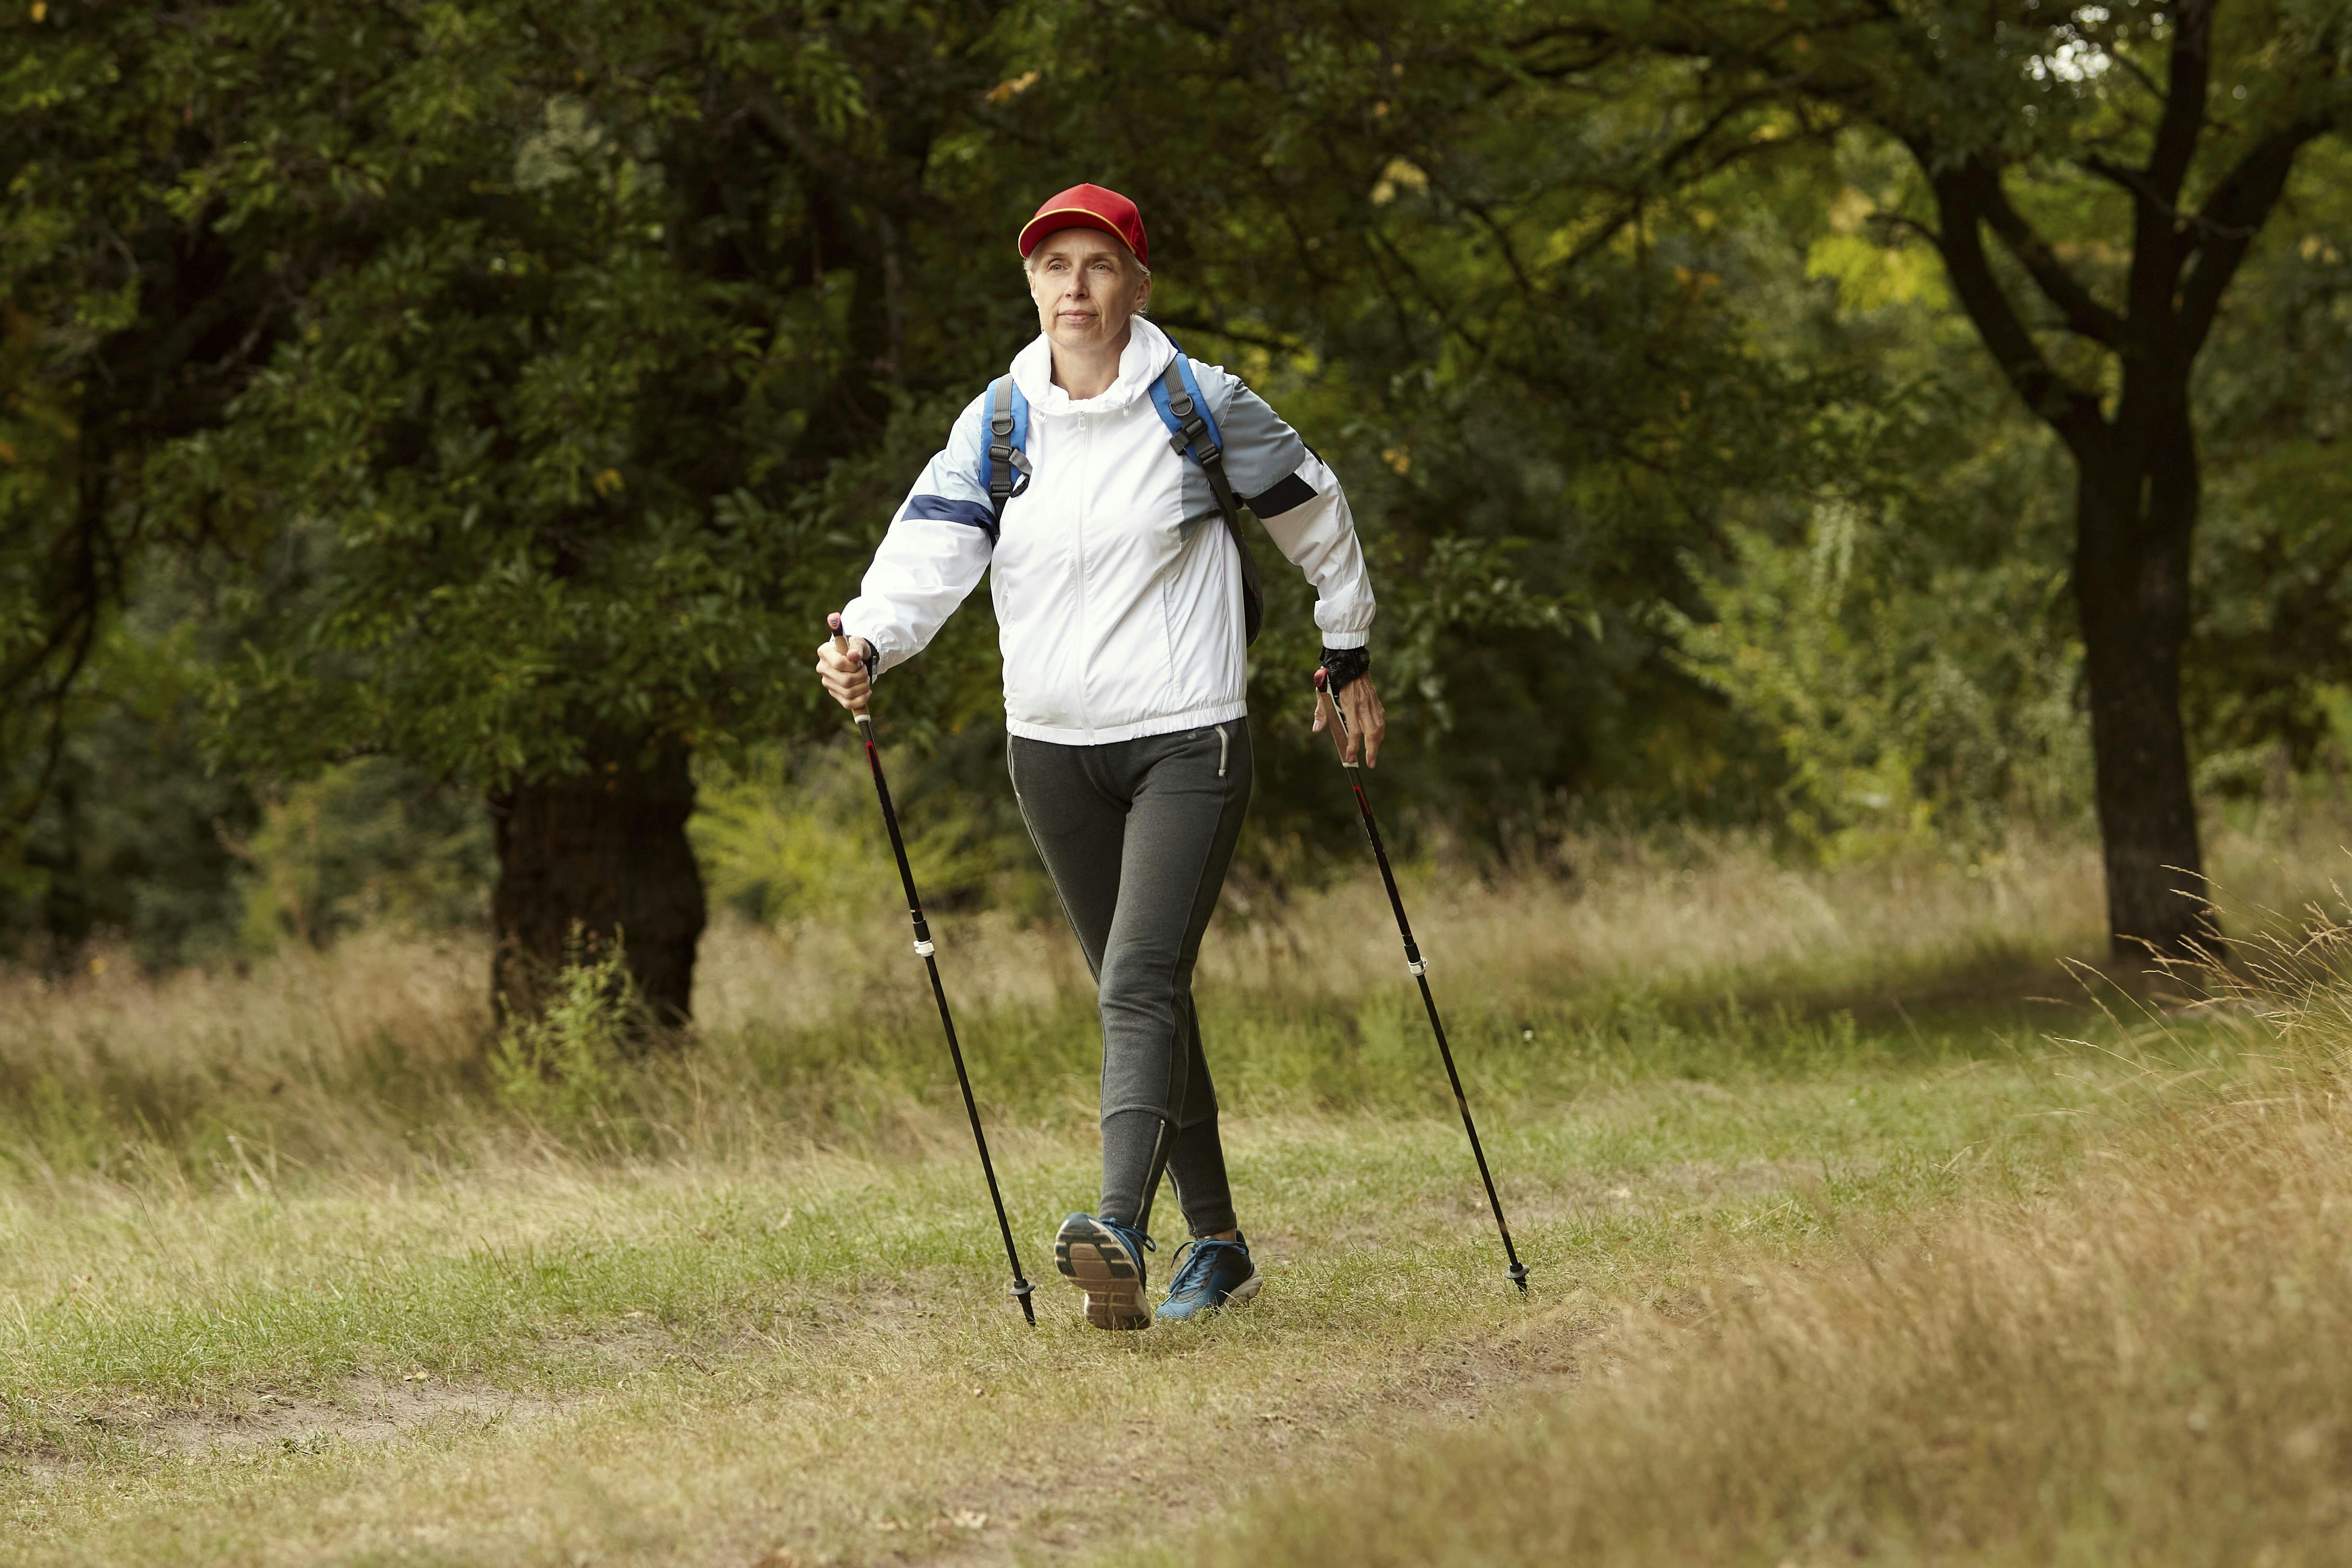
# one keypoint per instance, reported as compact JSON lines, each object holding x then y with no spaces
{"x":1055,"y":219}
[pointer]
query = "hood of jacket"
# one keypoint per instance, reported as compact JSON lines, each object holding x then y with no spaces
{"x":1141,"y":363}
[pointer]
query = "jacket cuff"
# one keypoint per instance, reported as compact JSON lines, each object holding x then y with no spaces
{"x":877,"y":659}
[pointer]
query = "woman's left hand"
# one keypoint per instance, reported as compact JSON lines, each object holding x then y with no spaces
{"x":1366,"y":722}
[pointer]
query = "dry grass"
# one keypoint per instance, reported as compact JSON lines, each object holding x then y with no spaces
{"x":2150,"y":1364}
{"x":364,"y":1057}
{"x":283,"y":1279}
{"x":360,"y":1058}
{"x":1707,"y":920}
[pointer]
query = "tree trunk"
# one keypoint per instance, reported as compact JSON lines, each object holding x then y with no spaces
{"x":2136,"y":512}
{"x":607,"y":851}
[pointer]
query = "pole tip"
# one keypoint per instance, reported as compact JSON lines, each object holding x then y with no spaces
{"x":1519,"y":1276}
{"x":1322,"y":678}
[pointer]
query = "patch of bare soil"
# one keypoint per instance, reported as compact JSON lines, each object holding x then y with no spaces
{"x":363,"y":1411}
{"x":47,"y":1445}
{"x":1142,"y":1481}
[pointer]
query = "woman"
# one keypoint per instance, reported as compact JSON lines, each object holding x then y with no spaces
{"x":1119,"y":596}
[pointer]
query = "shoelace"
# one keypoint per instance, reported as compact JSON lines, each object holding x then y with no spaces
{"x":1202,"y":1250}
{"x":1133,"y":1237}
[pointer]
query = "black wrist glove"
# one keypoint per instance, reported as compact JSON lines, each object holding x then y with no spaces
{"x":1342,"y":665}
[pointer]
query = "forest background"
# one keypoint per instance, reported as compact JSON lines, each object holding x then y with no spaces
{"x":431,"y":435}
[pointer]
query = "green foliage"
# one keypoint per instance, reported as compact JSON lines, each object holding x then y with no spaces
{"x":2274,"y":581}
{"x":1525,"y":320}
{"x":1918,"y":703}
{"x":803,"y":841}
{"x":129,"y":319}
{"x":566,"y":1064}
{"x":131,"y":837}
{"x":496,"y":389}
{"x":366,"y":842}
{"x":529,"y":436}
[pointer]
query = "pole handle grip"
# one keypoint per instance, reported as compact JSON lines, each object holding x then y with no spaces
{"x":1327,"y":707}
{"x":841,"y":646}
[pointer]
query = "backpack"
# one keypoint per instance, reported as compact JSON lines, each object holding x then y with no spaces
{"x":1192,"y":432}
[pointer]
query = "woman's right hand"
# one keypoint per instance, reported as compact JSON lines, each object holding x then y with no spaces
{"x":844,"y":672}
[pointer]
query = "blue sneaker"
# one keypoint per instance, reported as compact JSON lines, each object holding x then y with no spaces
{"x":1217,"y":1274}
{"x":1105,"y":1260}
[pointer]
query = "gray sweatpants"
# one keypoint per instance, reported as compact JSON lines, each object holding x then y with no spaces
{"x":1137,"y":835}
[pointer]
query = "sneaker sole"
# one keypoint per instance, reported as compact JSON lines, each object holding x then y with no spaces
{"x":1093,"y":1259}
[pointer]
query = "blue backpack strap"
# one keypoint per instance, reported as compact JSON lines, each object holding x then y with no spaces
{"x":1163,"y":400}
{"x":1004,"y":458}
{"x":1192,"y":433}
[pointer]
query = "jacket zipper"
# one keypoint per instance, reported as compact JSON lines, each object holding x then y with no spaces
{"x":1086,"y":487}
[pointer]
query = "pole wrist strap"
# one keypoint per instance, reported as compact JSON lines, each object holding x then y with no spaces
{"x":1342,"y":665}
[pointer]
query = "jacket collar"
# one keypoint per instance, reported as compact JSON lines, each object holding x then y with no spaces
{"x":1142,"y":363}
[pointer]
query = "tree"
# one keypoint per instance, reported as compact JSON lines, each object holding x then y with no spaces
{"x":590,"y":321}
{"x":1541,"y":408}
{"x":2093,"y":178}
{"x":130,"y":320}
{"x":2272,"y":647}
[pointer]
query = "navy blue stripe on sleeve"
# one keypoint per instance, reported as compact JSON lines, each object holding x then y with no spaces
{"x":947,"y":509}
{"x":1291,"y":492}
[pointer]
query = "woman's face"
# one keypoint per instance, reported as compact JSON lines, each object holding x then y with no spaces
{"x":1087,"y":287}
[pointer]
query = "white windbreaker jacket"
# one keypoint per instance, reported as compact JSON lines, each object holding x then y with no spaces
{"x":1119,"y":593}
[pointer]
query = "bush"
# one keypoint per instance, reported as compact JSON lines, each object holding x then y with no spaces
{"x":565,"y":1065}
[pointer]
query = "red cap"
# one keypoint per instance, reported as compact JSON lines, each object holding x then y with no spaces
{"x":1088,"y":206}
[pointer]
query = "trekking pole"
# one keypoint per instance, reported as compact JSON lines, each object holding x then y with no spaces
{"x":1021,"y":1286}
{"x":1420,"y":967}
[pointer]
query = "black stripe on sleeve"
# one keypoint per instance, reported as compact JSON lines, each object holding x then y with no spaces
{"x":1291,"y":492}
{"x":948,"y":509}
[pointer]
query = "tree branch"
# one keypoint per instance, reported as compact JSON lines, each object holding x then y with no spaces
{"x":2137,"y":71}
{"x":2130,"y":181}
{"x":58,"y":700}
{"x":2071,"y":411}
{"x":2184,"y":103}
{"x":1673,"y":162}
{"x":1191,"y":321}
{"x":1544,"y":55}
{"x":2157,"y":247}
{"x":2232,"y":215}
{"x":1898,"y":221}
{"x":2084,"y":314}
